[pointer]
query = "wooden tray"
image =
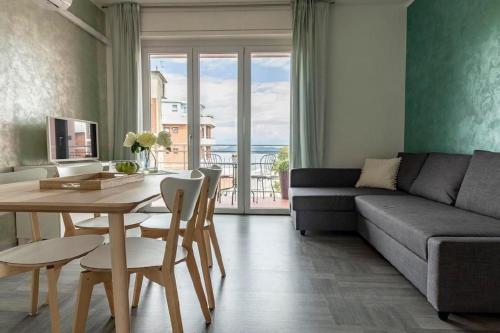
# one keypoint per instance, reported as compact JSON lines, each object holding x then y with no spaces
{"x":90,"y":181}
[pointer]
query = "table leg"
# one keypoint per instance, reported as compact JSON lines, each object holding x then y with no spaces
{"x":35,"y":276}
{"x":120,"y":277}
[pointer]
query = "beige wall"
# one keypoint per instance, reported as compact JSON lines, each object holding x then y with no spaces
{"x":367,"y":73}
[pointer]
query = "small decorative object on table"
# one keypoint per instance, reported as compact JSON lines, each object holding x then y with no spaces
{"x":144,"y":144}
{"x":90,"y":181}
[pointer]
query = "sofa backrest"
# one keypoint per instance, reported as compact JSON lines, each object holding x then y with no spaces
{"x":310,"y":177}
{"x":441,"y":176}
{"x":480,"y":190}
{"x":409,"y":169}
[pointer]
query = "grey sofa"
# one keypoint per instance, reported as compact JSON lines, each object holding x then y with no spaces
{"x":440,"y":229}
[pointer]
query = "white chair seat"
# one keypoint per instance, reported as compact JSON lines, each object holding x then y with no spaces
{"x":132,"y":220}
{"x":50,"y":252}
{"x":162,"y":222}
{"x":141,"y":253}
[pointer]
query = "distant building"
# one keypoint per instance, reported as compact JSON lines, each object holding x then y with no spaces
{"x":171,"y":116}
{"x":158,"y":84}
{"x":174,"y":120}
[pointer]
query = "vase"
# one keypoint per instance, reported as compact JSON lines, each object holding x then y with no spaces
{"x":148,"y":161}
{"x":284,"y":183}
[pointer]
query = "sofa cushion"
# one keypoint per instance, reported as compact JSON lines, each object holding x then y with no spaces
{"x":480,"y":190}
{"x":440,"y":177}
{"x":409,"y":169}
{"x":331,"y":198}
{"x":379,"y":173}
{"x":413,"y":220}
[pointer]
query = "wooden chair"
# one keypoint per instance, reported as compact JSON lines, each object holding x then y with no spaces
{"x":98,"y":225}
{"x":21,"y":176}
{"x":155,"y":259}
{"x":51,"y":254}
{"x":204,"y":235}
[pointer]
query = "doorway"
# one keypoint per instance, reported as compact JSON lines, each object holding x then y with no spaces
{"x":228,"y":106}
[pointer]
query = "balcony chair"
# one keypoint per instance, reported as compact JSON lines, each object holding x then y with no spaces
{"x":265,"y":173}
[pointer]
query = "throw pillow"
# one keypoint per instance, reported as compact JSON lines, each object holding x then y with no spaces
{"x":379,"y":173}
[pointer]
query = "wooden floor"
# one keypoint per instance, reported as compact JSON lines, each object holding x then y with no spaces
{"x":277,"y":281}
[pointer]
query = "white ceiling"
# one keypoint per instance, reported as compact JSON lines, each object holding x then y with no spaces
{"x":234,"y":2}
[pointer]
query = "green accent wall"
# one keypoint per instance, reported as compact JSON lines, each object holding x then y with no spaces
{"x":48,"y":66}
{"x":453,"y":76}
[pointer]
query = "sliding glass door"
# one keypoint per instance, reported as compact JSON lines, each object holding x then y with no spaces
{"x":269,"y":111}
{"x":218,"y":120}
{"x":227,"y":106}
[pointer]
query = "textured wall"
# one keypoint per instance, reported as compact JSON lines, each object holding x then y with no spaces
{"x":453,"y":76}
{"x":48,"y":66}
{"x":367,"y":72}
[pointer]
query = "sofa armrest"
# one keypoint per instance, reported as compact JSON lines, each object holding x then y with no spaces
{"x":324,"y":177}
{"x":464,"y":274}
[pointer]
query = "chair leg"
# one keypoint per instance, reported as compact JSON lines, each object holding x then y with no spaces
{"x":83,"y":302}
{"x":206,"y":271}
{"x":108,"y":287}
{"x":137,"y":289}
{"x":196,"y":279}
{"x":215,"y":244}
{"x":58,"y":273}
{"x":206,"y":234}
{"x":173,"y":302}
{"x":53,"y":301}
{"x":272,"y":189}
{"x":257,"y":191}
{"x":35,"y":287}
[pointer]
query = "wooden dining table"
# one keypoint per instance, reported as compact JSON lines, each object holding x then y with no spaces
{"x":116,"y":201}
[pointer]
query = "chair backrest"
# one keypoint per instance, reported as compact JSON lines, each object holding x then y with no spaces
{"x":266,"y":164}
{"x":190,"y":186}
{"x":181,"y":195}
{"x":23,"y":175}
{"x":213,"y":173}
{"x":211,"y":159}
{"x":75,"y":170}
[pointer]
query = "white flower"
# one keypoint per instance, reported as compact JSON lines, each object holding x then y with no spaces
{"x":164,"y":139}
{"x":129,"y":139}
{"x":146,"y":139}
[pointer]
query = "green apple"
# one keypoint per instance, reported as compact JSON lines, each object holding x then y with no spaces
{"x":119,"y":166}
{"x":129,"y":167}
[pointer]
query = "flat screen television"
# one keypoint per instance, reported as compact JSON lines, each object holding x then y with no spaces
{"x":71,"y":139}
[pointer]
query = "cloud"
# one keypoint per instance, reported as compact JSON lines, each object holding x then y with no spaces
{"x":270,"y":103}
{"x":272,"y":62}
{"x":176,"y":88}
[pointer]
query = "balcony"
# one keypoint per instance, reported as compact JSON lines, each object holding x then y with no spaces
{"x":265,"y":191}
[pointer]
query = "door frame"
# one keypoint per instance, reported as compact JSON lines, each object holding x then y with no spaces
{"x":146,"y":91}
{"x":215,"y":50}
{"x":247,"y":114}
{"x":193,"y":48}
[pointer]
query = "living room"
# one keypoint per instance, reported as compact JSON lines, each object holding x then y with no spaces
{"x":249,"y":166}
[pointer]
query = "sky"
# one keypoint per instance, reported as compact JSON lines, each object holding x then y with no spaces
{"x":270,"y":94}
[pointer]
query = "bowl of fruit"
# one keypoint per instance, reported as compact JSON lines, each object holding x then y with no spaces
{"x":127,"y":167}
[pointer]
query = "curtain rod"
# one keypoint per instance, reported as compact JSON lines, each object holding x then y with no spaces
{"x":214,"y":4}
